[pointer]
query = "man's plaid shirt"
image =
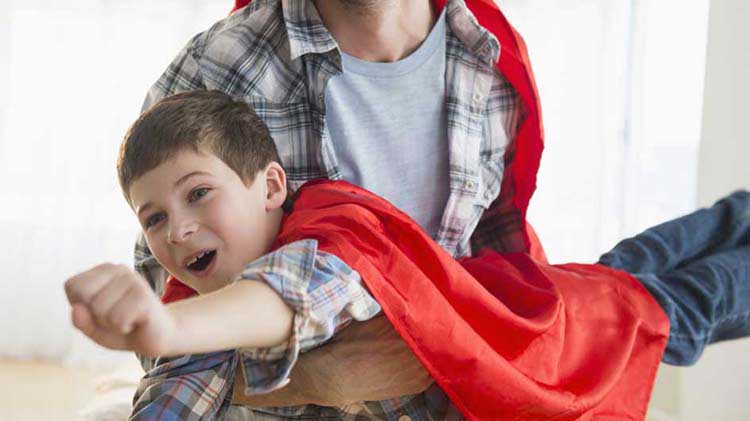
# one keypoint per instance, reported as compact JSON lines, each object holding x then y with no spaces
{"x":277,"y":56}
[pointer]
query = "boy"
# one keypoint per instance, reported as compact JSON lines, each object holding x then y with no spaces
{"x":208,"y":208}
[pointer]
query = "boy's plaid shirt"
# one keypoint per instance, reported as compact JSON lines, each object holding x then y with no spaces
{"x":277,"y":56}
{"x":325,"y":295}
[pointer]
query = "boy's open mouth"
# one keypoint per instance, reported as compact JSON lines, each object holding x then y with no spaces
{"x":201,"y":261}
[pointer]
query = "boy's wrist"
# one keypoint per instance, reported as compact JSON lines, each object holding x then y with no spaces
{"x":174,"y":337}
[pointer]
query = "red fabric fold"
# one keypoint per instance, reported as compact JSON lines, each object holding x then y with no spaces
{"x":505,"y":336}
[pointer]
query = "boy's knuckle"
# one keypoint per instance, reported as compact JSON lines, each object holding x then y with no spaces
{"x":134,"y":289}
{"x":125,"y":274}
{"x":105,"y":265}
{"x":142,"y":290}
{"x":69,"y":287}
{"x":99,"y":315}
{"x":113,"y":319}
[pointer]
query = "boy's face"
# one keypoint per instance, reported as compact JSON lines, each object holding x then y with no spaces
{"x":201,"y":222}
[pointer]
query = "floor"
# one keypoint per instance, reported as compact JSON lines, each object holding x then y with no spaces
{"x":41,"y":391}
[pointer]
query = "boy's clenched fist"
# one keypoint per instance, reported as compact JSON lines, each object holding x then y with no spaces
{"x":116,"y":308}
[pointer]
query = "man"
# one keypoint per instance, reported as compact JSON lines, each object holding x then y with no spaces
{"x":349,"y":86}
{"x":368,"y":91}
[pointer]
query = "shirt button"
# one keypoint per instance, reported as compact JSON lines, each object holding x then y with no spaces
{"x":404,"y":418}
{"x":469,"y":185}
{"x":477,"y":97}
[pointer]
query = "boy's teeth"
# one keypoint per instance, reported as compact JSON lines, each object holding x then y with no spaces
{"x":196,"y":258}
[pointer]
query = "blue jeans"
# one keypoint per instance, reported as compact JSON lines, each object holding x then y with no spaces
{"x":698,"y":268}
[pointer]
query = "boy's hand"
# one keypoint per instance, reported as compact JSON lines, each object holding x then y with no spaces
{"x":115,"y":307}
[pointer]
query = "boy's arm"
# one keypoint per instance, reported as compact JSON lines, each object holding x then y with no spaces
{"x":291,"y":286}
{"x":116,"y":308}
{"x":240,"y":315}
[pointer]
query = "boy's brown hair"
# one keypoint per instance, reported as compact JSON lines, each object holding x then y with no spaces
{"x":199,"y":120}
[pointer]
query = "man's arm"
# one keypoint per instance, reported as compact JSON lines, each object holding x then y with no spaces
{"x":346,"y":371}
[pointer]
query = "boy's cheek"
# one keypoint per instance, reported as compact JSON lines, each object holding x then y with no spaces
{"x":166,"y":262}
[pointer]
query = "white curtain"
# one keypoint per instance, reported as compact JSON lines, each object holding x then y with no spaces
{"x":73,"y":76}
{"x":620,"y":83}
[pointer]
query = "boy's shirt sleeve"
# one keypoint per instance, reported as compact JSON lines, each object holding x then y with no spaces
{"x":195,"y":386}
{"x":325,"y":294}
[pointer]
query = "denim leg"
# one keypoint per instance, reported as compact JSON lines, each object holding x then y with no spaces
{"x":698,"y":268}
{"x":705,"y":232}
{"x":706,"y":301}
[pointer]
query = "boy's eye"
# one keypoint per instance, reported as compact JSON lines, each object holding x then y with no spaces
{"x":154,"y":219}
{"x":197,"y":194}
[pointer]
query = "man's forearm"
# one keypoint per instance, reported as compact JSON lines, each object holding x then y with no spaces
{"x":246,"y":314}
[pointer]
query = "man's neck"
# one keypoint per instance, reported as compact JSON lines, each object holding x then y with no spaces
{"x":377,"y":30}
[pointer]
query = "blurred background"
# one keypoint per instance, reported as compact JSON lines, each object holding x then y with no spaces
{"x":645,"y":110}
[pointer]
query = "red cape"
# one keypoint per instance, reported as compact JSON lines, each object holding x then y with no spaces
{"x":505,"y":336}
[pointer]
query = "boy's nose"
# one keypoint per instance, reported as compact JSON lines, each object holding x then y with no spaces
{"x":180,"y":231}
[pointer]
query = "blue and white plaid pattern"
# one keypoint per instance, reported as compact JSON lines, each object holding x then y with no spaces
{"x":325,"y":295}
{"x":278,"y":56}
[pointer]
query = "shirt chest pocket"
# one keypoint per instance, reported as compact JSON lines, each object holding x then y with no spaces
{"x":296,"y":129}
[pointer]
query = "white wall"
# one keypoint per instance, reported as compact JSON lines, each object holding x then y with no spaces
{"x":621,"y":87}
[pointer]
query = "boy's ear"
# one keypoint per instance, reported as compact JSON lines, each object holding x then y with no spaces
{"x":275,"y":186}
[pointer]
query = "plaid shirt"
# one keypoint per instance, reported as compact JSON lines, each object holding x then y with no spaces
{"x":277,"y":56}
{"x":325,"y":295}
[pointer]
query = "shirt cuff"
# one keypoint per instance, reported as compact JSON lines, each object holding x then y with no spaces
{"x":288,"y":271}
{"x":325,"y":295}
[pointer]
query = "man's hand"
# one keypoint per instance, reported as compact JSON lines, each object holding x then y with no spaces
{"x":366,"y":361}
{"x":115,"y":307}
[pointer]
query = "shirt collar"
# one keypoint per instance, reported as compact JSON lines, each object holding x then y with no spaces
{"x":477,"y":39}
{"x":307,"y":34}
{"x":305,"y":29}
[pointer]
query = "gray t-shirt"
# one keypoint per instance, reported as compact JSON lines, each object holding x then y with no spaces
{"x":387,"y":123}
